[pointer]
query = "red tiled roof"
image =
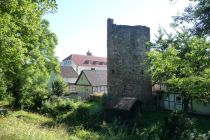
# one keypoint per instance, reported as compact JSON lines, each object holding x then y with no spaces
{"x":81,"y":60}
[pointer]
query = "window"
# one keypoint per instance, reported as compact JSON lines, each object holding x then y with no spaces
{"x":92,"y":68}
{"x":166,"y":96}
{"x":95,"y":62}
{"x":69,"y":62}
{"x":160,"y":97}
{"x":178,"y":99}
{"x":72,"y":88}
{"x":142,"y":72}
{"x":87,"y":62}
{"x":112,"y":71}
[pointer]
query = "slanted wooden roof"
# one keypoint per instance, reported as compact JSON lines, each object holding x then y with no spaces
{"x":95,"y":77}
{"x":124,"y":103}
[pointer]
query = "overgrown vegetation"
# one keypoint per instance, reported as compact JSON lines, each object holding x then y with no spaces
{"x":85,"y":120}
{"x":27,"y":52}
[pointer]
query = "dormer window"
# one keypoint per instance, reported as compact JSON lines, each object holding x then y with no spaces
{"x":95,"y":62}
{"x":87,"y":62}
{"x":67,"y":62}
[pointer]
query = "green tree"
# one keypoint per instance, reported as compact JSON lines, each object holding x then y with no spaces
{"x":27,"y":49}
{"x":58,"y":87}
{"x":183,"y":63}
{"x":198,"y":16}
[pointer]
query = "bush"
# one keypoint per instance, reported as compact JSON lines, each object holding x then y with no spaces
{"x":177,"y":126}
{"x":33,"y":99}
{"x":58,"y":87}
{"x":89,"y":115}
{"x":58,"y":107}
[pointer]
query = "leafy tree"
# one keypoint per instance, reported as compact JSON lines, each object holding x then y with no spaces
{"x":58,"y":87}
{"x":182,"y":60}
{"x":183,"y":63}
{"x":27,"y":49}
{"x":198,"y":16}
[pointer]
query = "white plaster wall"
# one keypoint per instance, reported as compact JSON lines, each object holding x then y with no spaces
{"x":201,"y":108}
{"x":69,"y":80}
{"x":80,"y":68}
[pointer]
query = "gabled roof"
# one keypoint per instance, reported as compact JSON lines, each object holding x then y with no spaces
{"x":81,"y":60}
{"x":68,"y":72}
{"x":95,"y":77}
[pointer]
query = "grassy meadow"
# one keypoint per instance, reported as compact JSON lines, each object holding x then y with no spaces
{"x":84,"y":121}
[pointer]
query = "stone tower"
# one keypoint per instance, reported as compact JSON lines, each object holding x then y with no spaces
{"x":126,"y":50}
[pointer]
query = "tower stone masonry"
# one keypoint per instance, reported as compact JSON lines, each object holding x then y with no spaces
{"x":127,"y":71}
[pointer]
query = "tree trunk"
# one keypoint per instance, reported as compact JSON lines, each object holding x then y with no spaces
{"x":17,"y":93}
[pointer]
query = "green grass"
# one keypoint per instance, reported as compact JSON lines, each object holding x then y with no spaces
{"x":29,"y":126}
{"x":148,"y":119}
{"x":26,"y":126}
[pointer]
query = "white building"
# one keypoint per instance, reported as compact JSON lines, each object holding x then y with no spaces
{"x":85,"y":62}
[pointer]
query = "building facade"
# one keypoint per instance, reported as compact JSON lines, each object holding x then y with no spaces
{"x":175,"y":101}
{"x":92,"y":81}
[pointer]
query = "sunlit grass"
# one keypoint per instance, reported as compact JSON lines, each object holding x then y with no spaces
{"x":22,"y":125}
{"x":28,"y":126}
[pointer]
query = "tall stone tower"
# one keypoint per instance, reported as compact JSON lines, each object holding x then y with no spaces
{"x":127,"y":75}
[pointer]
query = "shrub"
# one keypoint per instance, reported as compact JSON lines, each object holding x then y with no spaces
{"x":176,"y":126}
{"x":58,"y":107}
{"x":58,"y":87}
{"x":89,"y":115}
{"x":34,"y":100}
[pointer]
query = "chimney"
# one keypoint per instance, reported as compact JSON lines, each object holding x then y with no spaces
{"x":89,"y":53}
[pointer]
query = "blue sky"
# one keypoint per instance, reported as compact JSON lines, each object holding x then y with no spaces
{"x":80,"y":25}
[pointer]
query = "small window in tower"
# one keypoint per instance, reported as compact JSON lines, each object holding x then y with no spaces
{"x":112,"y":71}
{"x":142,"y":72}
